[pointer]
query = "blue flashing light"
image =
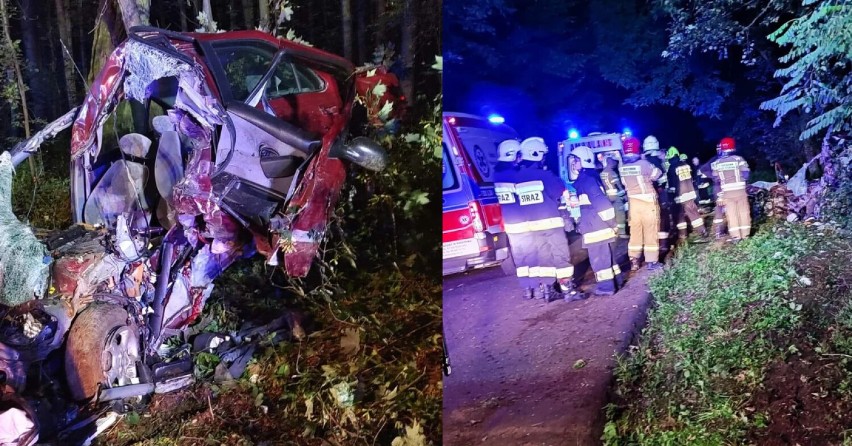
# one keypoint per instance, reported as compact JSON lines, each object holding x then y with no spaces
{"x":496,"y":119}
{"x":573,"y":134}
{"x":627,"y":131}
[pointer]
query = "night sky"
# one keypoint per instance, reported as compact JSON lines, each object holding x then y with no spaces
{"x":522,"y":87}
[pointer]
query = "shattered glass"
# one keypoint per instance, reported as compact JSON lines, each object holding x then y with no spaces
{"x":145,"y":65}
{"x":24,"y":263}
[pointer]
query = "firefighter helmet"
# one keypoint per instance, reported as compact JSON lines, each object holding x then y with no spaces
{"x":631,"y":146}
{"x":727,"y":145}
{"x":672,"y":153}
{"x":508,"y":150}
{"x":533,"y":149}
{"x":683,"y":157}
{"x":587,"y":158}
{"x":651,"y":144}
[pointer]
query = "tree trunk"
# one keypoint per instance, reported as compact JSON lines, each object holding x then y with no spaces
{"x":346,"y":16}
{"x":182,"y":9}
{"x":409,"y":25}
{"x":107,"y":36}
{"x":263,"y":12}
{"x":248,"y":13}
{"x":32,"y":46}
{"x":63,"y":8}
{"x":361,"y":33}
{"x":380,"y":22}
{"x":135,"y":12}
{"x":19,"y":78}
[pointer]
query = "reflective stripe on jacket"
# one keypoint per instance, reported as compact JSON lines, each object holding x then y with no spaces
{"x":638,"y":178}
{"x":597,"y":216}
{"x":732,"y":172}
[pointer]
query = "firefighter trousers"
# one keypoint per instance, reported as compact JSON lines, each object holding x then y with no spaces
{"x":604,"y":265}
{"x":687,"y":213}
{"x":738,"y":214}
{"x":620,"y":215}
{"x":541,"y":257}
{"x":644,"y":230}
{"x":719,"y":217}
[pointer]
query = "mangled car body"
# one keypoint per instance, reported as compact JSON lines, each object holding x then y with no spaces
{"x":190,"y":151}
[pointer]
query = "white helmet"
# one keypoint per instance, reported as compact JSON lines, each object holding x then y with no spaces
{"x":533,"y":149}
{"x":508,"y":150}
{"x":650,"y":144}
{"x":587,"y":158}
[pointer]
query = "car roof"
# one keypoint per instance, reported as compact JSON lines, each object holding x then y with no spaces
{"x":260,"y":35}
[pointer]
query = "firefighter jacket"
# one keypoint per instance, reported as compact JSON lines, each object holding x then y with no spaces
{"x":529,"y":198}
{"x":597,"y":216}
{"x":612,"y":181}
{"x":732,"y":172}
{"x":706,"y":169}
{"x":680,"y":181}
{"x":661,"y":183}
{"x":639,"y":177}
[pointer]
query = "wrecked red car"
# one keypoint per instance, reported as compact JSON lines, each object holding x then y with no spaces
{"x":190,"y":151}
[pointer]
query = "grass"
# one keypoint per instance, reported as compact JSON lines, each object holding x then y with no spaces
{"x":728,"y":323}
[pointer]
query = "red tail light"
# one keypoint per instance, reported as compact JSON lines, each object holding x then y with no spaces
{"x":476,"y":215}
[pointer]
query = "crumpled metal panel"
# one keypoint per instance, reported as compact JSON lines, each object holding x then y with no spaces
{"x":98,"y":100}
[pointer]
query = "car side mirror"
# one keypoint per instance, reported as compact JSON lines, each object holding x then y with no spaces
{"x":362,"y":151}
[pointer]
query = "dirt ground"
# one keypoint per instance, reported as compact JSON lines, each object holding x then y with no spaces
{"x":516,"y":379}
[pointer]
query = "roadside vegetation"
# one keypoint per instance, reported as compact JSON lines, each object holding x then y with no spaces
{"x":746,"y":344}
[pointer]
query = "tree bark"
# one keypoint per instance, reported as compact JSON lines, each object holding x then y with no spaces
{"x":107,"y":36}
{"x":182,"y":9}
{"x":248,"y":13}
{"x":361,"y":31}
{"x":346,"y":16}
{"x":31,"y":48}
{"x":409,"y":25}
{"x":381,"y":22}
{"x":66,"y":45}
{"x":135,"y":12}
{"x":263,"y":13}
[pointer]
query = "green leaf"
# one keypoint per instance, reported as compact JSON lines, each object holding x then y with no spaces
{"x":379,"y":90}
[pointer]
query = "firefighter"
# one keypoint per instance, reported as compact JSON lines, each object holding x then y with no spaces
{"x":718,"y":198}
{"x":615,"y":192}
{"x":639,"y":176}
{"x":651,"y":153}
{"x":597,"y":220}
{"x":684,"y":208}
{"x":732,"y":172}
{"x":529,"y":199}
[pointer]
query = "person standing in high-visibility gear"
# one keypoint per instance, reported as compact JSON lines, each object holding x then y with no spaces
{"x":718,"y":197}
{"x":651,"y":153}
{"x":615,"y":192}
{"x":639,"y":176}
{"x":597,"y":220}
{"x":684,"y":208}
{"x":529,"y":200}
{"x":732,"y":171}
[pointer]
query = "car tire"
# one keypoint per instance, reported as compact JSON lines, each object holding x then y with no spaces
{"x":508,"y":265}
{"x":102,"y":350}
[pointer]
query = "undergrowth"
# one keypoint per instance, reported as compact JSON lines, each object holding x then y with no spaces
{"x":725,"y":323}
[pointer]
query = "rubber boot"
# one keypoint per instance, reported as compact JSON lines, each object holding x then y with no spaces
{"x":569,"y":292}
{"x":605,"y":288}
{"x":702,"y":237}
{"x":654,"y":266}
{"x":546,"y":292}
{"x":619,"y":281}
{"x":634,"y":264}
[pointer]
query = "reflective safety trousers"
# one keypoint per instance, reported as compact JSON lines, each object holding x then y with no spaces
{"x":541,"y":257}
{"x":738,"y":214}
{"x":644,"y":225}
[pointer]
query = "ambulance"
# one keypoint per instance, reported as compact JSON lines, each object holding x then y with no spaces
{"x":473,"y":233}
{"x":603,"y":145}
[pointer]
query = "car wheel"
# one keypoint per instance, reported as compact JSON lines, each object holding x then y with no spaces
{"x":508,"y":265}
{"x":102,"y":350}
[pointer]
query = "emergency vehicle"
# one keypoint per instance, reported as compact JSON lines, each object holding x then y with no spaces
{"x":602,"y":145}
{"x":473,"y":234}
